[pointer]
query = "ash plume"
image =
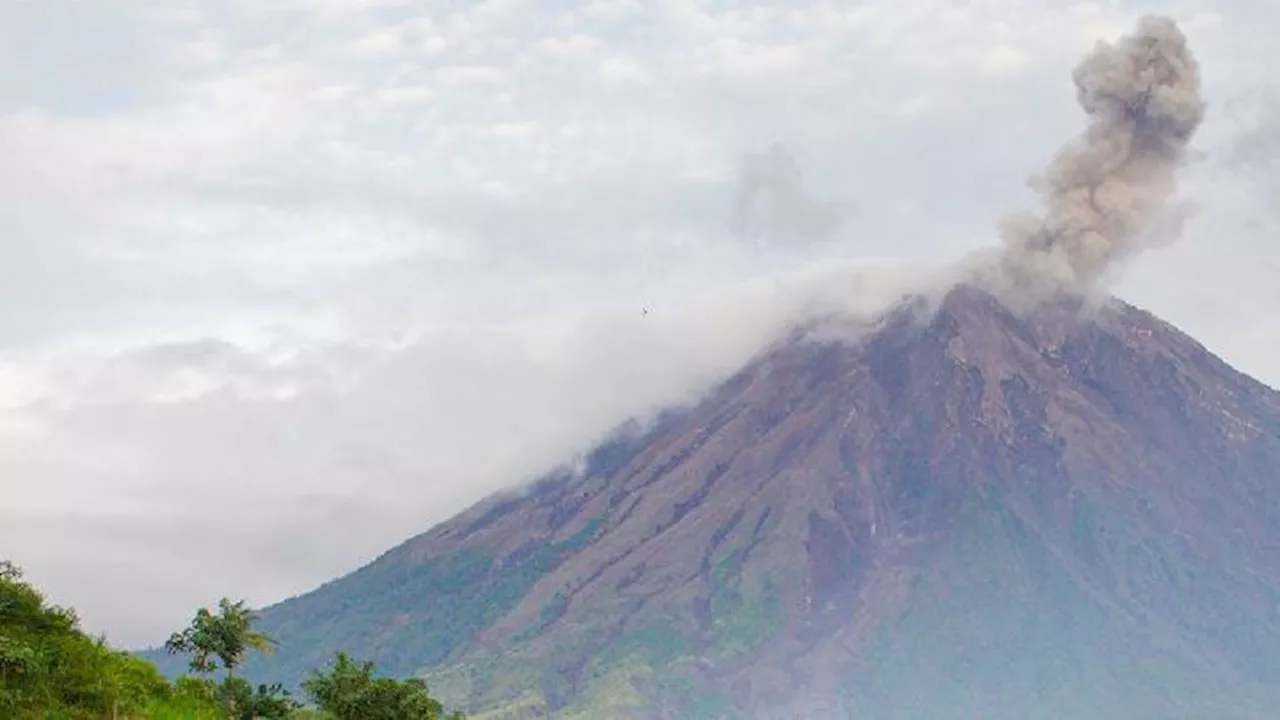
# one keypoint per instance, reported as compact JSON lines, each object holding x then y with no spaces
{"x":1106,"y":195}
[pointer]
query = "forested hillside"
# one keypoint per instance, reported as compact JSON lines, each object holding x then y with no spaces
{"x":50,"y":668}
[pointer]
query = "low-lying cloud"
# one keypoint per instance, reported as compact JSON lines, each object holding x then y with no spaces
{"x":266,"y":470}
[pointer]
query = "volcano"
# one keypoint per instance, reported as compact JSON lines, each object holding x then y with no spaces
{"x":963,"y":513}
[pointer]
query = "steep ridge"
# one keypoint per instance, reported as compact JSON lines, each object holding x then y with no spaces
{"x":963,"y":514}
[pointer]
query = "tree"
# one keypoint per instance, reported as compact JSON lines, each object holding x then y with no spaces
{"x":50,"y":668}
{"x":44,"y":659}
{"x":348,"y":690}
{"x":226,"y":637}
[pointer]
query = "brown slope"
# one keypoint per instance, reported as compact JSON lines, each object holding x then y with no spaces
{"x":838,"y":470}
{"x":781,"y":525}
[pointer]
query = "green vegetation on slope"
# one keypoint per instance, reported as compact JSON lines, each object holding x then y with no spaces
{"x":412,"y":615}
{"x":606,"y":664}
{"x":741,"y":622}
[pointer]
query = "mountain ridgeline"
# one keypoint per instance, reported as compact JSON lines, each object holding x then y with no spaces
{"x":964,"y":513}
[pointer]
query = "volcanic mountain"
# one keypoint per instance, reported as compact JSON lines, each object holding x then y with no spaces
{"x":964,"y":513}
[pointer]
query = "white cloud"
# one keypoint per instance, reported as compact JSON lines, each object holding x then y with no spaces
{"x":237,"y":231}
{"x":416,"y":35}
{"x":471,"y":74}
{"x":572,"y":47}
{"x":1004,"y":59}
{"x":404,"y":96}
{"x":610,"y":10}
{"x":620,"y":70}
{"x":734,"y":57}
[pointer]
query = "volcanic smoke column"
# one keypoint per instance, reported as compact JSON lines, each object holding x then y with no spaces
{"x":1105,"y":194}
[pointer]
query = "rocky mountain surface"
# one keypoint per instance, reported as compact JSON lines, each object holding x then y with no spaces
{"x":965,"y":513}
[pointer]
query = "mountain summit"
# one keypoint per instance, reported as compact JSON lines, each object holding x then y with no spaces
{"x":965,"y":513}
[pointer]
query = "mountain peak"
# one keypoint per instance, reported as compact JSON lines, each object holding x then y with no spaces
{"x":1072,"y":507}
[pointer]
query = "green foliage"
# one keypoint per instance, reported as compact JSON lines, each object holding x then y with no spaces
{"x":249,"y":703}
{"x":226,"y":638}
{"x":348,"y":690}
{"x":205,"y":699}
{"x":49,"y":668}
{"x":191,"y":699}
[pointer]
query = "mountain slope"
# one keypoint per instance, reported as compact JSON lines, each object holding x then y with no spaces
{"x":964,"y":514}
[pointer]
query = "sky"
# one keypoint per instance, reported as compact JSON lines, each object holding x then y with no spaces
{"x":285,"y":282}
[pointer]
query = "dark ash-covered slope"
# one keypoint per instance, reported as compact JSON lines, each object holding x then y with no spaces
{"x":965,"y":514}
